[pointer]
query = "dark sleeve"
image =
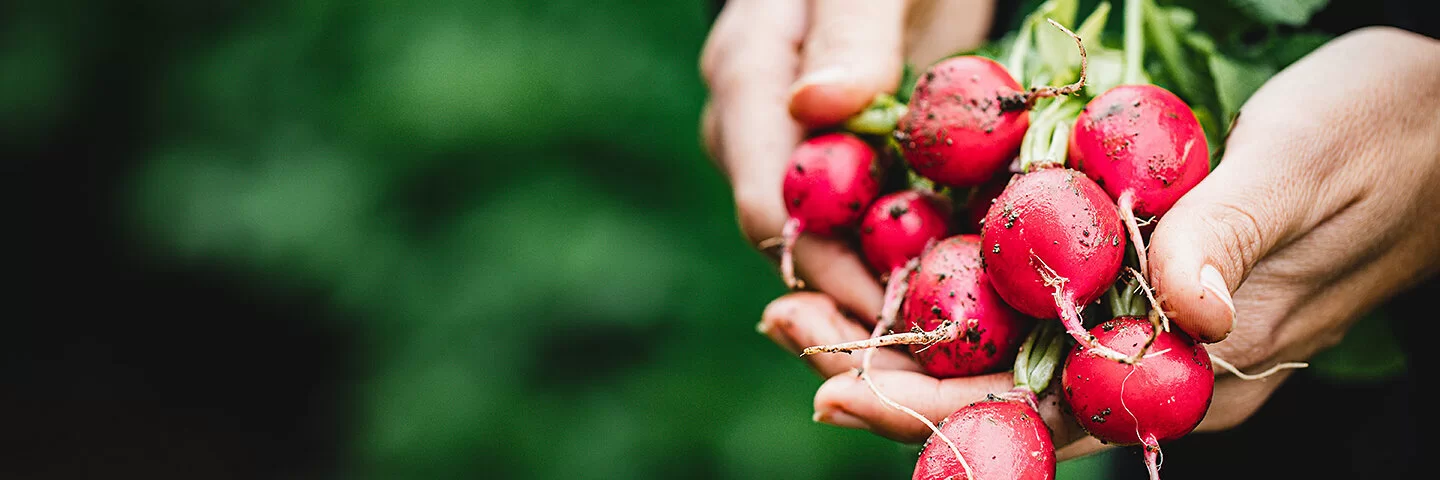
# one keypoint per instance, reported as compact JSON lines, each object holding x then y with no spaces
{"x":1341,"y":16}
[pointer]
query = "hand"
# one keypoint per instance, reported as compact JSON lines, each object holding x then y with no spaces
{"x":777,"y":67}
{"x":1322,"y":209}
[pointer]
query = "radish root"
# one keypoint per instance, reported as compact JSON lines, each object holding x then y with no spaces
{"x":1153,"y":457}
{"x":887,"y":320}
{"x":1271,"y":371}
{"x":1026,"y":100}
{"x":948,"y":330}
{"x":1070,"y":314}
{"x":864,"y":375}
{"x":1127,"y":213}
{"x":788,"y":236}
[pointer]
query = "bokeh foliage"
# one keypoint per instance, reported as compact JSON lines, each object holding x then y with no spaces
{"x":505,"y":200}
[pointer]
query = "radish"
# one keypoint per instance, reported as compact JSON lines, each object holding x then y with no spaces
{"x":956,"y":131}
{"x":897,"y":228}
{"x":967,"y":118}
{"x":958,"y":325}
{"x":1049,"y":224}
{"x":1159,"y":398}
{"x":828,"y":182}
{"x":1139,"y":141}
{"x":1002,"y":437}
{"x":951,"y":285}
{"x":1052,"y":243}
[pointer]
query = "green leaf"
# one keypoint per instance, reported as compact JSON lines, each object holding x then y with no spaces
{"x":1285,"y":50}
{"x":1286,"y":12}
{"x":1235,"y":80}
{"x":1106,"y":70}
{"x":1369,"y":351}
{"x":1057,"y":50}
{"x":1091,"y":29}
{"x":1162,"y":32}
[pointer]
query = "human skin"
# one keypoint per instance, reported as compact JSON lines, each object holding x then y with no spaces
{"x":776,"y":68}
{"x":1320,"y":210}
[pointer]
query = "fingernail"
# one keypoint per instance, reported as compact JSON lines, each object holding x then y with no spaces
{"x":840,"y":418}
{"x":824,"y":76}
{"x":1212,"y":281}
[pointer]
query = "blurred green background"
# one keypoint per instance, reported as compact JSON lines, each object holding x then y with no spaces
{"x":490,"y":223}
{"x":502,"y":206}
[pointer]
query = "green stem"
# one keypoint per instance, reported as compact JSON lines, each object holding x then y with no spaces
{"x":1134,"y":42}
{"x":1034,"y":145}
{"x":1016,"y":63}
{"x":1022,"y":359}
{"x":879,"y":118}
{"x":1039,"y":356}
{"x":1060,"y":141}
{"x":1124,"y":301}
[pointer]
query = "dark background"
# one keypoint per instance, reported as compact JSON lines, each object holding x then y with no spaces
{"x":447,"y":239}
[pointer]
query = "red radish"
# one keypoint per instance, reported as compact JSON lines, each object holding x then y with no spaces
{"x":829,"y":181}
{"x":1156,"y":400}
{"x":968,"y":115}
{"x":958,"y":325}
{"x":951,"y":285}
{"x":999,"y":439}
{"x":898,"y":226}
{"x":1144,"y":146}
{"x":1003,"y":436}
{"x":956,"y":131}
{"x":1052,"y":243}
{"x":896,"y":229}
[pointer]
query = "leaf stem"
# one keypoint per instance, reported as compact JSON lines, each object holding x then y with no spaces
{"x":1134,"y":42}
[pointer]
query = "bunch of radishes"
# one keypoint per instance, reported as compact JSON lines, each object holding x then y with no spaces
{"x":1066,"y":179}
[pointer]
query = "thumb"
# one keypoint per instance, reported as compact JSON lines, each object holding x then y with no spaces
{"x":1207,"y":244}
{"x":852,"y":52}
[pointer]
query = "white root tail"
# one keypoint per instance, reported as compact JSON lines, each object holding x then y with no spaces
{"x":789,"y":235}
{"x":954,"y":449}
{"x":1070,"y":314}
{"x":1271,"y":371}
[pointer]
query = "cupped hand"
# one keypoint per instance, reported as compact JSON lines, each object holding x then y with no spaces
{"x":776,"y":68}
{"x":1323,"y":207}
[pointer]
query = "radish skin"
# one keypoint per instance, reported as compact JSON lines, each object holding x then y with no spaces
{"x":1053,"y":242}
{"x":956,"y":131}
{"x":1158,"y":399}
{"x":951,"y":285}
{"x":828,"y":182}
{"x":1001,"y":439}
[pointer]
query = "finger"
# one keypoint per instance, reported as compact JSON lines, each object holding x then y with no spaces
{"x":853,"y":50}
{"x":935,"y":30}
{"x":750,"y":73}
{"x":805,"y":319}
{"x":844,"y":400}
{"x":1208,"y":243}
